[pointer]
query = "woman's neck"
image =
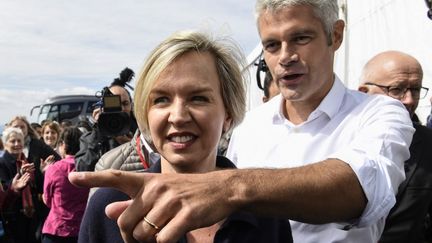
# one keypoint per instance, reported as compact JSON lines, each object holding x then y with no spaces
{"x":188,"y":167}
{"x":14,"y":155}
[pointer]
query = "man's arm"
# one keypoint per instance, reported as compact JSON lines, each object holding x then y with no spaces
{"x":319,"y":193}
{"x":327,"y":191}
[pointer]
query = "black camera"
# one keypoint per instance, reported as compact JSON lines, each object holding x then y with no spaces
{"x":112,"y":121}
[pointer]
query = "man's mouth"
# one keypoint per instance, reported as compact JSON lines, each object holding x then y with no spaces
{"x":292,"y":76}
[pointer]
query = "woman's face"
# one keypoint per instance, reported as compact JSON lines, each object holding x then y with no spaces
{"x":21,"y":125}
{"x":50,"y":136}
{"x":15,"y":144}
{"x":186,"y":114}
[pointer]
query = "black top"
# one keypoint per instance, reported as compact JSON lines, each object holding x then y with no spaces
{"x":39,"y":150}
{"x":406,"y":219}
{"x":238,"y":227}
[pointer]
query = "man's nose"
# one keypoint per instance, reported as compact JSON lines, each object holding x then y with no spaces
{"x":287,"y":56}
{"x":408,"y":98}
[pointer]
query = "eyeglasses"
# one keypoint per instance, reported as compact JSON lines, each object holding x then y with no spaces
{"x":400,"y":92}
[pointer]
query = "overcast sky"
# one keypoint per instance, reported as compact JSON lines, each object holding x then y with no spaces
{"x":52,"y":47}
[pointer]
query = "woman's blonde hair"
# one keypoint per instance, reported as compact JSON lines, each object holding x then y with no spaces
{"x":30,"y":131}
{"x":229,"y":62}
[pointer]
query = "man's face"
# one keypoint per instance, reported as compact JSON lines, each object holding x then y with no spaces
{"x":297,"y":52}
{"x":124,"y":97}
{"x":399,"y":71}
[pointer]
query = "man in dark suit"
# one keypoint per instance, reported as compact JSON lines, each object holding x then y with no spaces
{"x":399,"y":76}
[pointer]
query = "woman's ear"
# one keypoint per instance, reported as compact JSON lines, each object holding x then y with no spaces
{"x":227,"y":124}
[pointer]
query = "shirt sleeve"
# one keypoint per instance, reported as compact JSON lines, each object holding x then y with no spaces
{"x":49,"y":183}
{"x":377,"y":154}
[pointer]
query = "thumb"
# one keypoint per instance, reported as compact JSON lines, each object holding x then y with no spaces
{"x":127,"y":182}
{"x":114,"y":210}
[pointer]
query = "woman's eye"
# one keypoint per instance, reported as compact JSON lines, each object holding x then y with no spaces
{"x":160,"y":100}
{"x":200,"y":98}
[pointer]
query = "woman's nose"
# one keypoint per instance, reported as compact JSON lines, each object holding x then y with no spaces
{"x":179,"y":113}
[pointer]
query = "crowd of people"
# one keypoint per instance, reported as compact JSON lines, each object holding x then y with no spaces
{"x":316,"y":162}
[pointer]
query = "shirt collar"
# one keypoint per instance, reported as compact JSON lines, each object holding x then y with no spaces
{"x":332,"y":102}
{"x":153,"y":156}
{"x":330,"y":105}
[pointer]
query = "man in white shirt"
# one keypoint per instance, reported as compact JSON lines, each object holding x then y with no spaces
{"x":346,"y":149}
{"x":339,"y":153}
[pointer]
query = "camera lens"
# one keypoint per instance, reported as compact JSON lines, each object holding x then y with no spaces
{"x":114,"y":124}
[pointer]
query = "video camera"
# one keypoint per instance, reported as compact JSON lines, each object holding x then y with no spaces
{"x":112,"y":121}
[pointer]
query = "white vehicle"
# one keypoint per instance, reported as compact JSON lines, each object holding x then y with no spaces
{"x":66,"y":107}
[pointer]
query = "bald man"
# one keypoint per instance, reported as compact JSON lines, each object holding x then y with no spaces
{"x":399,"y":76}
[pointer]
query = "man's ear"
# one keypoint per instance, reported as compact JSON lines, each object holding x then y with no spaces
{"x":337,"y":34}
{"x":363,"y":88}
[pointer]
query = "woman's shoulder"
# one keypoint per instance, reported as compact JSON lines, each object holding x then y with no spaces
{"x":104,"y":196}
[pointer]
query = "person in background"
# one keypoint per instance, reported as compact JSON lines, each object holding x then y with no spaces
{"x":9,"y":194}
{"x":186,"y":120}
{"x":94,"y":144}
{"x":334,"y":156}
{"x":399,"y":76}
{"x":37,"y":127}
{"x":66,"y":202}
{"x":41,"y":155}
{"x":429,"y":117}
{"x":84,"y":126}
{"x":18,"y":217}
{"x":51,"y":133}
{"x":65,"y":123}
{"x":1,"y":148}
{"x":270,"y":87}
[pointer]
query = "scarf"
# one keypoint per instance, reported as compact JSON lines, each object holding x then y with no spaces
{"x":27,"y":201}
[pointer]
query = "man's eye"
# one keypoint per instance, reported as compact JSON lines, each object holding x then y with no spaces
{"x":396,"y":90}
{"x":271,"y":47}
{"x":302,"y":40}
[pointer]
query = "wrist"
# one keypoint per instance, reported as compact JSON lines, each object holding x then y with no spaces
{"x":14,"y":190}
{"x":237,"y":190}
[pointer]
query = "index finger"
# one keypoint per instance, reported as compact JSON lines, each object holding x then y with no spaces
{"x":127,"y":182}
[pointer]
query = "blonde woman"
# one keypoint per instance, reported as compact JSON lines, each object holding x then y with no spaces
{"x":188,"y":95}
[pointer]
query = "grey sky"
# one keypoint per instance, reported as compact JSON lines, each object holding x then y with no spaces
{"x":51,"y":47}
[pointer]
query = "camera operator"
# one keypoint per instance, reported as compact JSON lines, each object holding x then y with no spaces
{"x":111,"y":128}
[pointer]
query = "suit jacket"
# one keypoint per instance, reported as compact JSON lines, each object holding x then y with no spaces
{"x":405,"y":222}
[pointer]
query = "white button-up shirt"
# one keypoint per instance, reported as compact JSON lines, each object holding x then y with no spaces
{"x":370,"y":133}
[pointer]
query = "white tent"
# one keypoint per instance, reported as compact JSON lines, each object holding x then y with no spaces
{"x":373,"y":26}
